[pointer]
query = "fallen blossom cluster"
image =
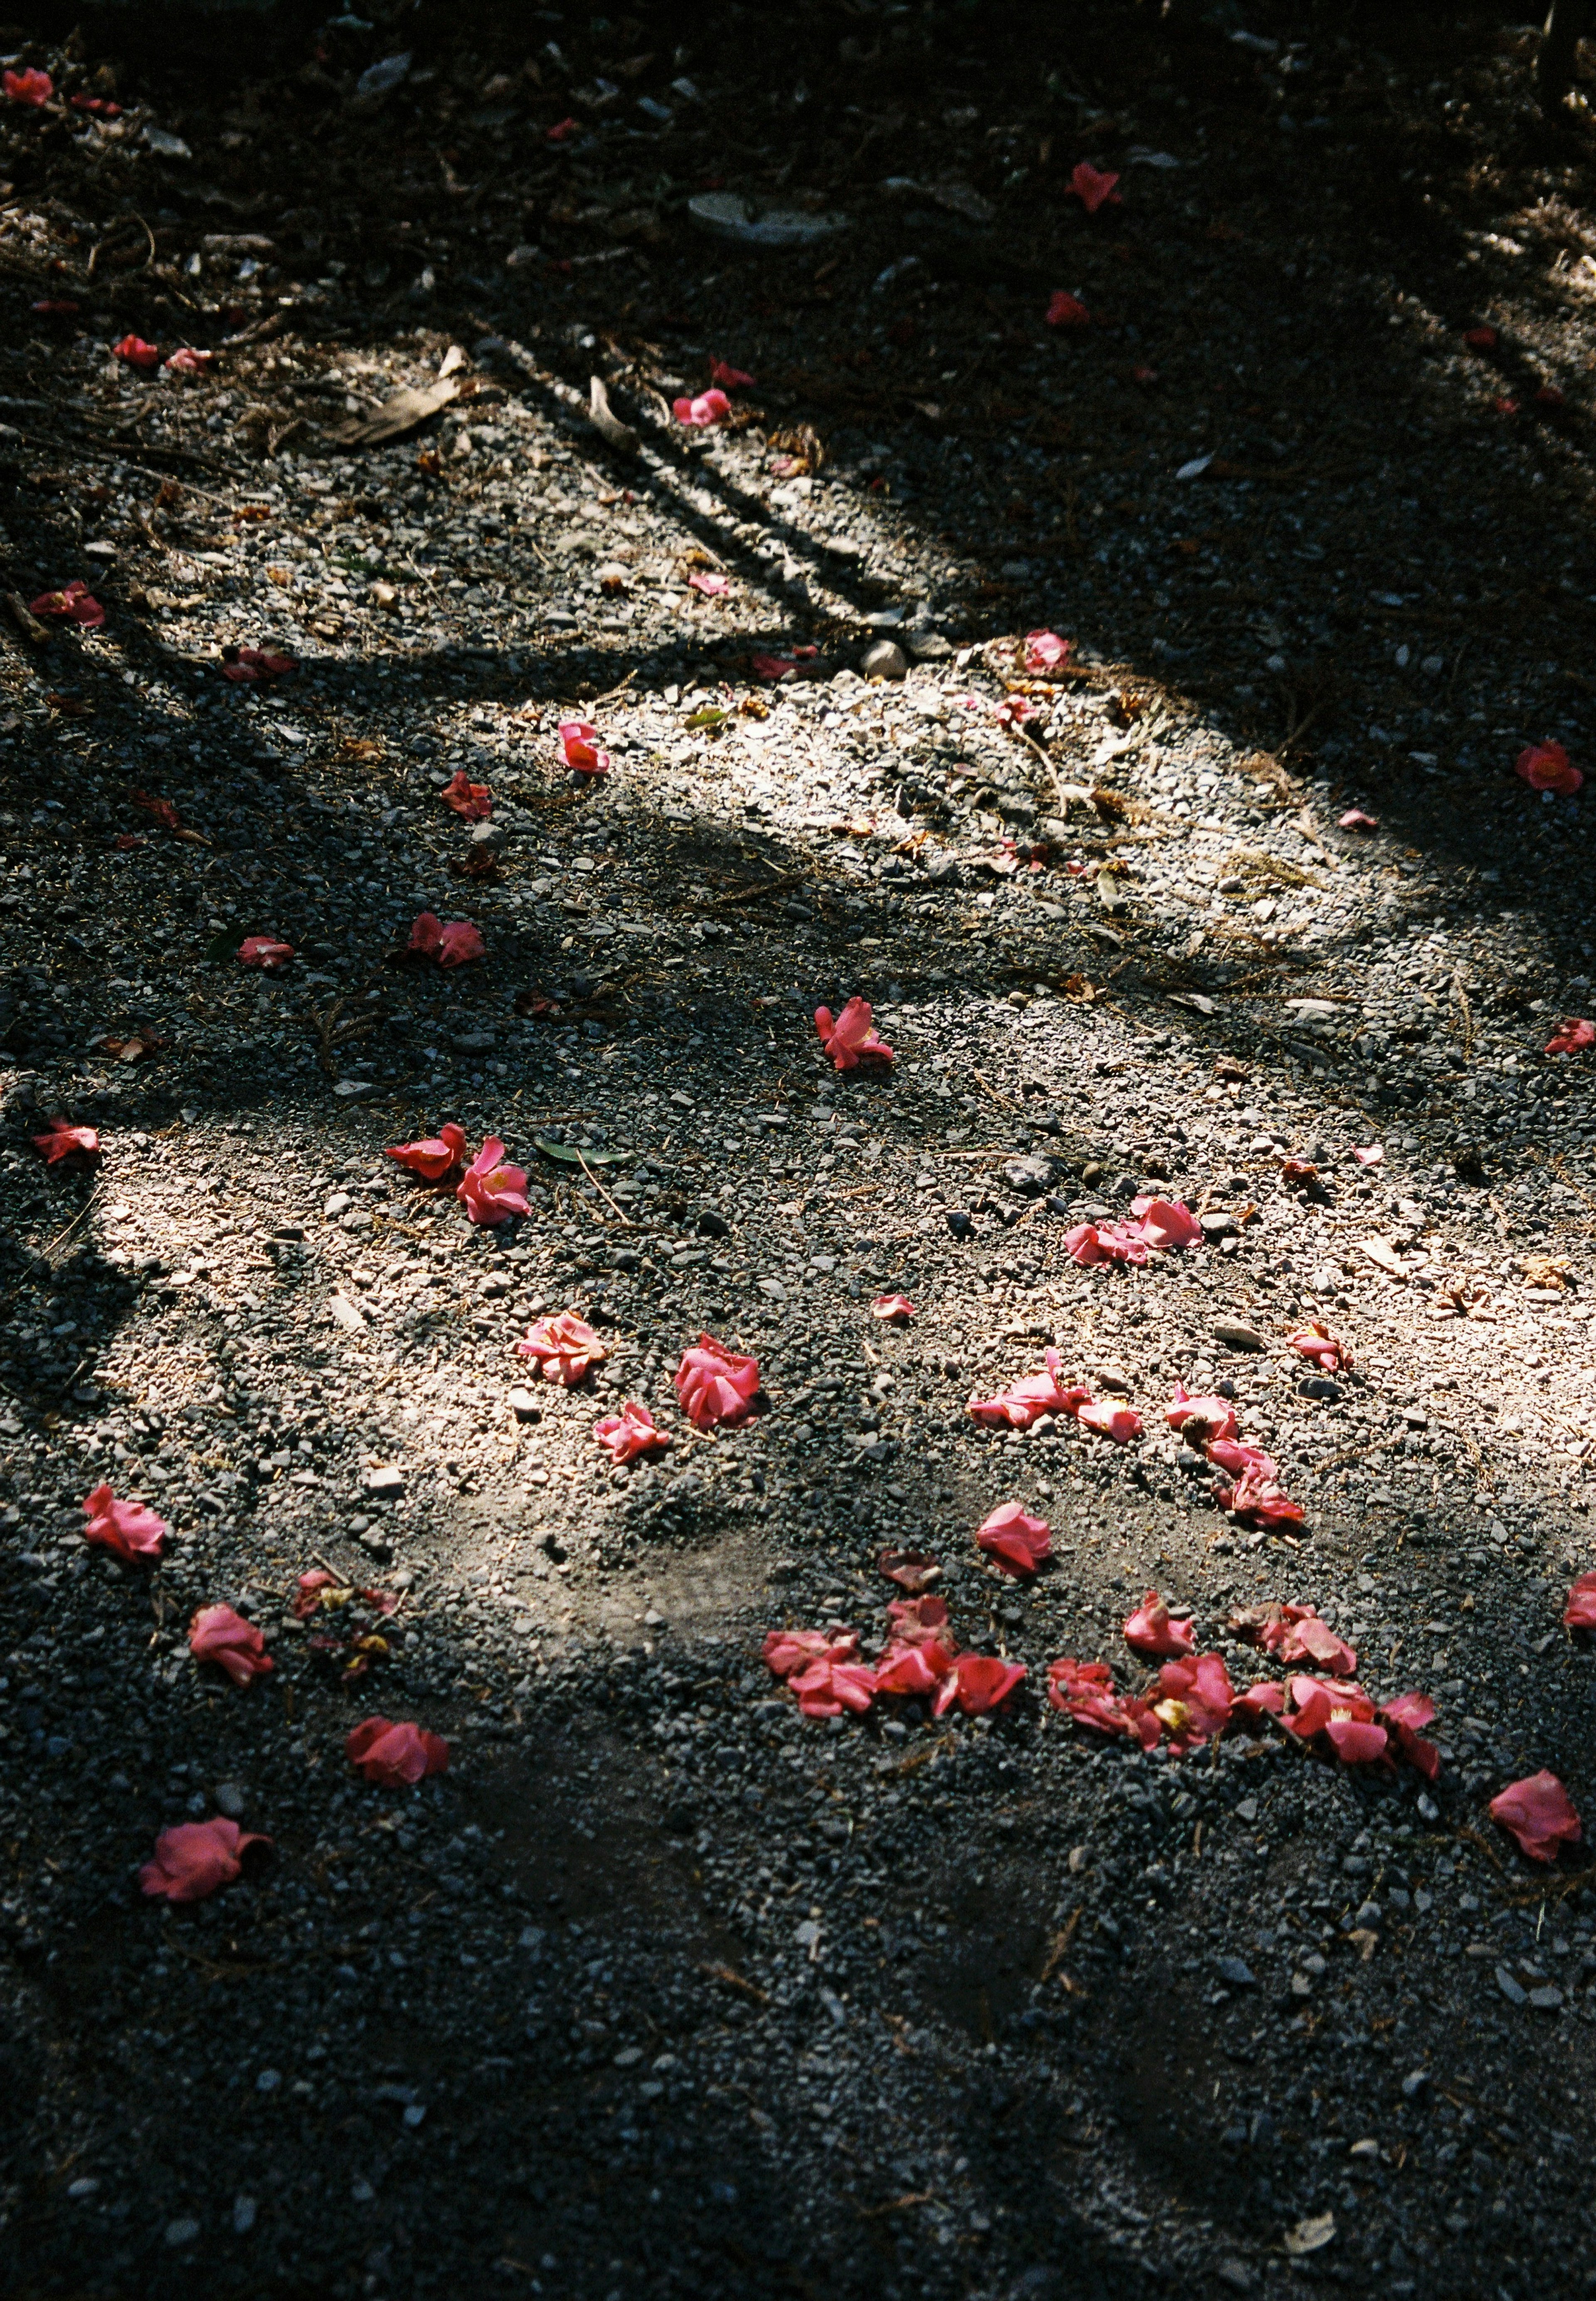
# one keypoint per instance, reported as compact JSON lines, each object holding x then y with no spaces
{"x":922,"y":1660}
{"x":490,"y":1190}
{"x":1026,"y":1402}
{"x":1160,"y":1224}
{"x":1251,"y":1485}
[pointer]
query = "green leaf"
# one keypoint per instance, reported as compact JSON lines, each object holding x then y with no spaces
{"x":711,"y":715}
{"x":567,"y":1155}
{"x":220,"y":946}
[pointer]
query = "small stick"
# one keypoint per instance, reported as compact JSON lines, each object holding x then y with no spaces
{"x":624,"y":1219}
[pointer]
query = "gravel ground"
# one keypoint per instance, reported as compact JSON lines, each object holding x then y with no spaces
{"x":663,"y":1987}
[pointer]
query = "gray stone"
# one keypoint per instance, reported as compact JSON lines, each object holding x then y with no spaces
{"x":524,"y":1404}
{"x":493,"y":836}
{"x":884,"y":660}
{"x":1237,"y":1973}
{"x":1219,"y":1225}
{"x":231,"y":1800}
{"x":1416,"y":2084}
{"x":384,"y":1480}
{"x":182,"y":2232}
{"x":1512,"y":1989}
{"x":1238,"y":1334}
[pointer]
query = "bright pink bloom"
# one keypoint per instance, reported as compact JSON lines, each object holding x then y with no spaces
{"x":490,"y":1190}
{"x":921,"y":1668}
{"x":1026,"y":1401}
{"x":433,"y":1156}
{"x":1199,"y":1420}
{"x":393,"y":1754}
{"x":30,"y":86}
{"x":1580,"y":1613}
{"x":472,"y":802}
{"x":916,"y":1621}
{"x":893,"y":1306}
{"x":1545,"y":767}
{"x":786,"y":1651}
{"x":73,"y":603}
{"x":217,"y":1634}
{"x":978,"y":1683}
{"x":1318,"y":1342}
{"x":1349,"y":1721}
{"x":564,"y":1347}
{"x":1355,"y":819}
{"x":1045,"y":651}
{"x":196,"y":1857}
{"x":1195,"y":1699}
{"x":1152,"y":1630}
{"x":851,"y":1036}
{"x":1017,"y":1542}
{"x":1570,"y":1036}
{"x":710,"y":407}
{"x":578,"y":741}
{"x":715,"y":1384}
{"x":453,"y":945}
{"x":1092,"y":187}
{"x":1089,"y":1244}
{"x":1084,"y":1691}
{"x":187,"y":361}
{"x":1066,"y":311}
{"x":128,"y":1528}
{"x":136,"y":352}
{"x":1371,"y":1155}
{"x":729,"y":378}
{"x":713,"y":587}
{"x":1539,"y":1813}
{"x":1120,"y":1423}
{"x":827,"y":1688}
{"x":62,"y":1141}
{"x":265,"y":953}
{"x":1166,"y":1222}
{"x":1405,"y":1716}
{"x":632,"y":1431}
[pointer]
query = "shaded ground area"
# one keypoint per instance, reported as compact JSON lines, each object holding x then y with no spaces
{"x":663,"y":1987}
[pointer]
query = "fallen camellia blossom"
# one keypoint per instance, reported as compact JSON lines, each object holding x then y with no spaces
{"x":1201,"y":1420}
{"x":1355,"y":819}
{"x":1295,"y":1633}
{"x":728,"y":378}
{"x":433,"y":1156}
{"x":1066,"y":311}
{"x":62,"y":1141}
{"x":196,"y":1857}
{"x":631,"y":1432}
{"x":136,"y":352}
{"x":451,"y":946}
{"x":1045,"y":651}
{"x":490,"y":1190}
{"x":1546,"y":767}
{"x":851,"y":1037}
{"x":1120,"y":1423}
{"x":248,"y":666}
{"x":579,"y":742}
{"x":188,"y":361}
{"x":1580,"y":1613}
{"x":1571,"y":1035}
{"x":30,"y":86}
{"x":1084,"y":1691}
{"x":1371,"y":1155}
{"x":566,"y":1348}
{"x":472,"y":802}
{"x":128,"y":1528}
{"x":1026,"y":1401}
{"x":827,"y":1688}
{"x":1266,"y":1699}
{"x":710,"y":407}
{"x":1166,"y":1222}
{"x":978,"y":1683}
{"x":1342,"y":1712}
{"x":1538,"y":1814}
{"x":1405,"y":1716}
{"x":1195,"y":1699}
{"x":219,"y":1635}
{"x":1092,"y":187}
{"x":786,"y":1650}
{"x":1089,"y":1244}
{"x":917,"y":1621}
{"x":393,"y":1754}
{"x":713,"y":587}
{"x":917,"y":1666}
{"x":1151,"y":1630}
{"x":1318,"y":1342}
{"x":715,"y":1384}
{"x":264,"y":951}
{"x":893,"y":1306}
{"x":1015,"y":1541}
{"x":1256,"y":1493}
{"x":912,"y":1569}
{"x":73,"y":603}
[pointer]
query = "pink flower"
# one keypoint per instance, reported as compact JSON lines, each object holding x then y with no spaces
{"x":1538,"y":1814}
{"x":1120,"y":1423}
{"x":62,"y":1141}
{"x":1089,"y":1244}
{"x":1545,"y":767}
{"x":918,"y":1667}
{"x":1571,"y":1035}
{"x":564,"y":1347}
{"x":827,"y":1688}
{"x":472,"y":802}
{"x":727,"y":377}
{"x":1026,"y":1401}
{"x":136,"y":352}
{"x":713,"y":587}
{"x":851,"y":1037}
{"x":189,"y":362}
{"x":1372,"y":1155}
{"x":73,"y":603}
{"x":1016,"y":1541}
{"x":1267,"y":1698}
{"x":911,"y":1570}
{"x":710,"y":407}
{"x":578,"y":739}
{"x":128,"y":1528}
{"x":1343,"y":1713}
{"x":1199,"y":1420}
{"x":1404,"y":1717}
{"x":1152,"y":1630}
{"x":1092,"y":187}
{"x":434,"y":1156}
{"x":1580,"y":1613}
{"x":1355,"y":819}
{"x":1256,"y":1494}
{"x":1084,"y":1691}
{"x":30,"y":86}
{"x":453,"y":945}
{"x":978,"y":1683}
{"x":490,"y":1190}
{"x":393,"y":1754}
{"x":893,"y":1306}
{"x":1296,"y":1634}
{"x":217,"y":1634}
{"x":1045,"y":651}
{"x":264,"y":951}
{"x":715,"y":1384}
{"x":1195,"y":1699}
{"x":917,"y":1621}
{"x":1066,"y":311}
{"x":1166,"y":1222}
{"x":632,"y":1431}
{"x":196,"y":1857}
{"x":1318,"y":1342}
{"x":786,"y":1650}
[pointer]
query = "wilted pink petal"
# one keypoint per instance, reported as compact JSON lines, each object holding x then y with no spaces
{"x":786,"y":1651}
{"x":709,"y":408}
{"x":472,"y":802}
{"x":715,"y":1384}
{"x":187,"y":361}
{"x":1084,"y":1691}
{"x":1199,"y":1420}
{"x":978,"y":1683}
{"x":1120,"y":1423}
{"x":633,"y":1431}
{"x":772,"y":667}
{"x":1166,"y":1222}
{"x":1405,"y":1716}
{"x":62,"y":1141}
{"x":578,"y":740}
{"x":729,"y":377}
{"x":893,"y":1306}
{"x":1302,"y":1636}
{"x":911,"y":1570}
{"x":1266,"y":1699}
{"x":490,"y":1190}
{"x":1342,"y":1712}
{"x":1066,"y":311}
{"x":1539,"y":1813}
{"x":1318,"y":1342}
{"x":1016,"y":1541}
{"x":1261,"y":1500}
{"x":136,"y":352}
{"x":393,"y":1754}
{"x":1571,"y":1035}
{"x":1239,"y":1460}
{"x":916,"y":1668}
{"x":1580,"y":1613}
{"x":128,"y":1528}
{"x":1355,"y":819}
{"x":30,"y":86}
{"x":1092,"y":187}
{"x":1356,"y":1741}
{"x":459,"y":942}
{"x":196,"y":1857}
{"x":219,"y":1635}
{"x":265,"y":953}
{"x":1026,"y":1401}
{"x":248,"y":666}
{"x":1152,"y":1630}
{"x":1545,"y":767}
{"x":851,"y":1036}
{"x":1548,"y":395}
{"x":916,"y":1621}
{"x":713,"y":587}
{"x":564,"y":1347}
{"x":307,"y":1591}
{"x":72,"y":603}
{"x":433,"y":1156}
{"x":1045,"y":651}
{"x":1372,"y":1155}
{"x":1195,"y":1699}
{"x":827,"y":1688}
{"x":1089,"y":1244}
